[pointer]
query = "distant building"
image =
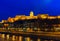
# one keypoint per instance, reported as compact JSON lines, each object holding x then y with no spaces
{"x":42,"y":22}
{"x":10,"y":19}
{"x":23,"y":17}
{"x":3,"y":21}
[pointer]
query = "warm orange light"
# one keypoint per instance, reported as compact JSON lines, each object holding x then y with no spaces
{"x":10,"y":19}
{"x":43,"y":16}
{"x":58,"y":17}
{"x":59,"y":25}
{"x":15,"y":19}
{"x":23,"y":17}
{"x":4,"y":21}
{"x":52,"y":17}
{"x":27,"y":17}
{"x":6,"y":25}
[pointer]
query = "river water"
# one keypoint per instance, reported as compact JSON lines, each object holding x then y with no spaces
{"x":1,"y":39}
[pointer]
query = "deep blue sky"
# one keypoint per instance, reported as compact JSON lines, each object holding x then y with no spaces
{"x":15,"y":7}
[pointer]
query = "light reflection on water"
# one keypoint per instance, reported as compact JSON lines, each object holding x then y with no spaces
{"x":1,"y":39}
{"x":24,"y":39}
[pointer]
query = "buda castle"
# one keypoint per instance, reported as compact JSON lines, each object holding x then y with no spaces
{"x":43,"y":22}
{"x":24,"y":17}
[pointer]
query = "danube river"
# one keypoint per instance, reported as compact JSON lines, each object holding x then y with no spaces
{"x":1,"y":39}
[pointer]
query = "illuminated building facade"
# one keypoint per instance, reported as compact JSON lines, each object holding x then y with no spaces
{"x":41,"y":22}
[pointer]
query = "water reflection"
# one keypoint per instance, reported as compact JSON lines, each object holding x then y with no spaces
{"x":25,"y":39}
{"x":8,"y":37}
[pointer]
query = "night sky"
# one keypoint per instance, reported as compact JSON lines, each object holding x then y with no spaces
{"x":23,"y":7}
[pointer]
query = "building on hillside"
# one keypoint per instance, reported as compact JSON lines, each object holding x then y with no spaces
{"x":40,"y":22}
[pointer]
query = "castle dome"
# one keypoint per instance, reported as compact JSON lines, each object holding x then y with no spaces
{"x":31,"y":13}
